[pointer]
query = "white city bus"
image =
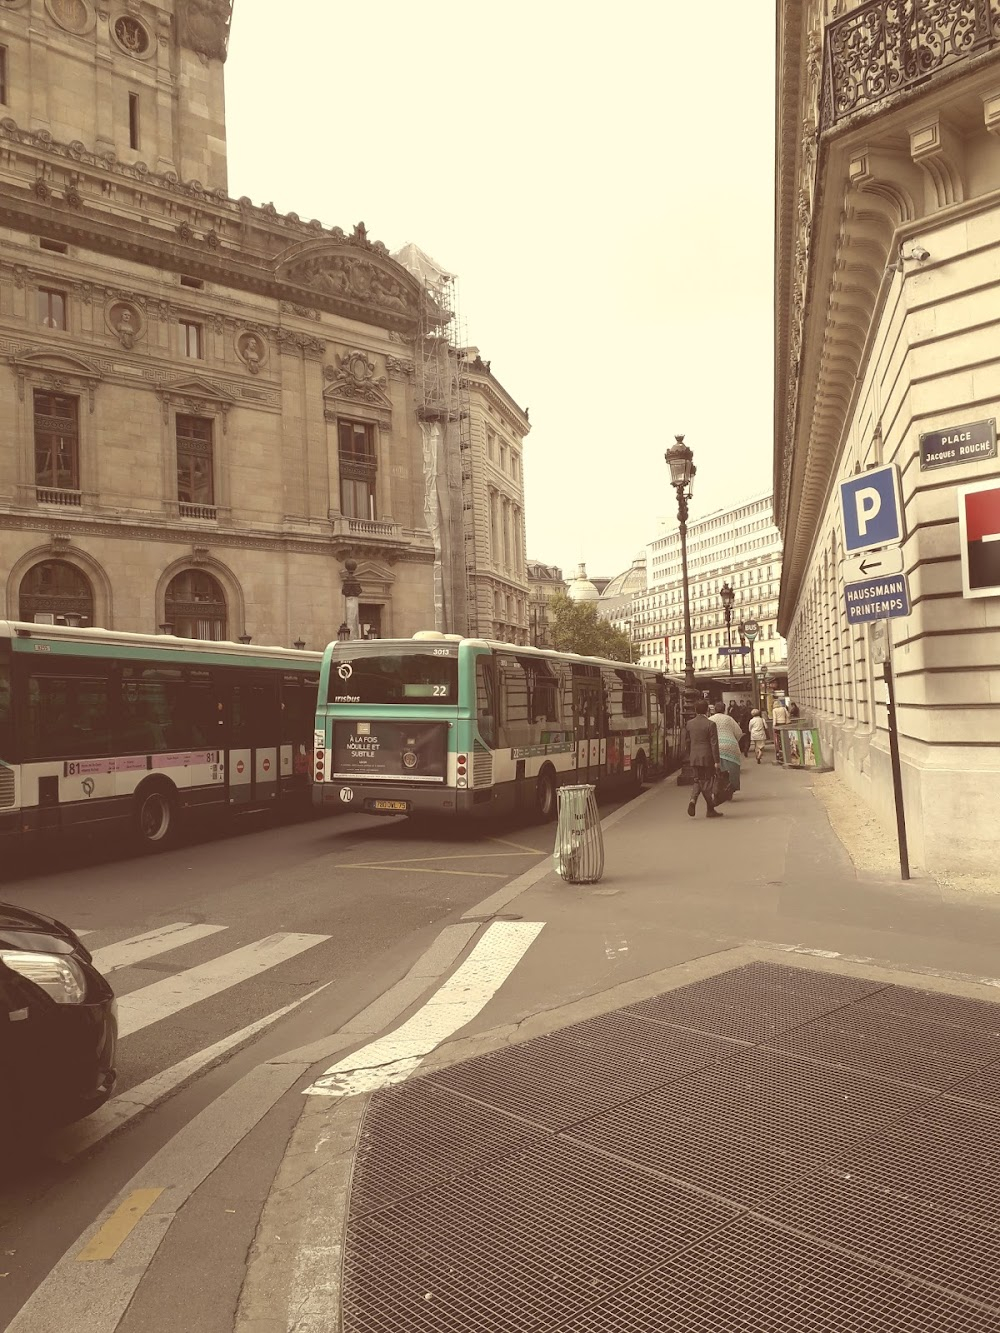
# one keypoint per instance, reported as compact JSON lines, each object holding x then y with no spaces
{"x":102,"y":728}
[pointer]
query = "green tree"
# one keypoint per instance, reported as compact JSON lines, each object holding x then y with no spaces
{"x":575,"y":627}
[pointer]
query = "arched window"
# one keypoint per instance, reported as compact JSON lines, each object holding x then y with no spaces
{"x":55,"y":592}
{"x":195,"y":606}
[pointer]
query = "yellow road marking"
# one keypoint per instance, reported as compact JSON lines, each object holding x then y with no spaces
{"x":417,"y":870}
{"x":119,"y":1225}
{"x":506,"y":842}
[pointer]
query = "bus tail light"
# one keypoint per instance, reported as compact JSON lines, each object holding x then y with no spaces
{"x":462,"y":760}
{"x":463,"y":781}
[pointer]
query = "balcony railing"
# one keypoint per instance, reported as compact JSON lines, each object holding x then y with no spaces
{"x":51,"y":495}
{"x":197,"y":511}
{"x":887,"y":46}
{"x":379,"y":529}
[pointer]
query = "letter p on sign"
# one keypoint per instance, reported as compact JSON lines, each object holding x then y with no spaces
{"x":871,"y":510}
{"x":867,"y":502}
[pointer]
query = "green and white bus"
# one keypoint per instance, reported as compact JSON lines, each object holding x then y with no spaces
{"x":438,"y":724}
{"x":102,"y":728}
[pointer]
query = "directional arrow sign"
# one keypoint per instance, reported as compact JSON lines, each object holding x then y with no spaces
{"x":873,"y":564}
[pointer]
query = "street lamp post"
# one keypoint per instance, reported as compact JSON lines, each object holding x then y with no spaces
{"x":728,"y":598}
{"x":680,"y":460}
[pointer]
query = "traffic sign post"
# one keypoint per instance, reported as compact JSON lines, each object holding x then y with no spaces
{"x":897,"y":776}
{"x":873,"y":564}
{"x":751,"y":629}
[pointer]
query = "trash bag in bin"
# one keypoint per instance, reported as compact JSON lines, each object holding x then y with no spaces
{"x":579,"y":851}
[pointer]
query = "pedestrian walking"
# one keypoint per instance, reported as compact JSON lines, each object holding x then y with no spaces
{"x":780,"y":716}
{"x":758,"y":733}
{"x":742,"y":716}
{"x":703,"y":756}
{"x":729,"y":733}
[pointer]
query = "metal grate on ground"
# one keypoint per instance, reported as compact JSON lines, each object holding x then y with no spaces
{"x":956,"y":1252}
{"x":416,"y":1135}
{"x":516,"y":1245}
{"x":628,"y":1218}
{"x":755,"y":1003}
{"x":752,"y":1276}
{"x":960,"y":1011}
{"x":582,"y":1070}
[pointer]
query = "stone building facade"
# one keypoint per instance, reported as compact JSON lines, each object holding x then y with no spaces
{"x":887,"y":247}
{"x":210,"y":406}
{"x":498,"y":574}
{"x":544,"y":583}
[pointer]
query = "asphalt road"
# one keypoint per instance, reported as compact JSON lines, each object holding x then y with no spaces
{"x":217,"y":934}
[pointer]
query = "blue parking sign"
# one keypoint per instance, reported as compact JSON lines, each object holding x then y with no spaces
{"x":871,"y":509}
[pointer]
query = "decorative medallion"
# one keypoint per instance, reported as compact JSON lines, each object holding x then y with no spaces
{"x":75,"y":16}
{"x":353,"y":377}
{"x":252,"y":351}
{"x":126,"y":322}
{"x":132,"y":36}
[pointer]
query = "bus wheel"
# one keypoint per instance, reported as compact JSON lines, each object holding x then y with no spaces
{"x":639,"y":771}
{"x":545,"y":796}
{"x":155,"y":816}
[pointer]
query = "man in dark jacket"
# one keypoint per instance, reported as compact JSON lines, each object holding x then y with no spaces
{"x":703,"y":756}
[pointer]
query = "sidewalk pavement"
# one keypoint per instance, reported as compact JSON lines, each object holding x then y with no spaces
{"x":735,"y":1085}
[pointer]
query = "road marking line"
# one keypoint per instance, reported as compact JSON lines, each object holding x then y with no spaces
{"x":69,"y":1143}
{"x":392,"y":1058}
{"x":463,"y":856}
{"x":416,"y":870}
{"x":80,"y":933}
{"x":506,"y":842}
{"x":140,"y":947}
{"x":119,"y":1226}
{"x":141,"y":1008}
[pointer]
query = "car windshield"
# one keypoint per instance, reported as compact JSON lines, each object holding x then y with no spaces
{"x":429,"y":676}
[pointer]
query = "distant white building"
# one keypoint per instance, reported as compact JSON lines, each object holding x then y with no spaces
{"x":739,"y":546}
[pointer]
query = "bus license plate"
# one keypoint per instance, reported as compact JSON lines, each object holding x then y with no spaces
{"x":390,"y":805}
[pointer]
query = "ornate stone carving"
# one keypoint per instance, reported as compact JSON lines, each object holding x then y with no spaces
{"x":76,"y":16}
{"x":73,"y":198}
{"x":60,"y":370}
{"x":132,"y":36}
{"x":198,"y":396}
{"x":290,"y":341}
{"x":399,"y":369}
{"x":252,"y":351}
{"x":126,"y":322}
{"x":185,"y":231}
{"x":41,"y":190}
{"x":203,"y":26}
{"x":342,"y":272}
{"x":303,"y":311}
{"x":353,"y":377}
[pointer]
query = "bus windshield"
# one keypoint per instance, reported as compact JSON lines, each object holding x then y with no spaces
{"x":428,"y":676}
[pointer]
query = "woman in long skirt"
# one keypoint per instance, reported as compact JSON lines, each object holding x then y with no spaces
{"x":729,"y":731}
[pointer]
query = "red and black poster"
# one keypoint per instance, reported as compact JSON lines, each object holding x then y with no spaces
{"x":979,"y":526}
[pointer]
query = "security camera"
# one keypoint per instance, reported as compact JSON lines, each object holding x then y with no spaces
{"x":917,"y":252}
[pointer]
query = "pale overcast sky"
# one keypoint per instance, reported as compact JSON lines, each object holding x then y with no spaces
{"x":600,"y":178}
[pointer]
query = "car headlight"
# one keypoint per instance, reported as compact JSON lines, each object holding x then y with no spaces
{"x":62,"y":979}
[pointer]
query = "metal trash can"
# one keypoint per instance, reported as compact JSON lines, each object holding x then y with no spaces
{"x":579,"y":850}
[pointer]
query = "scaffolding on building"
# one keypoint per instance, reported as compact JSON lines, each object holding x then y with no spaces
{"x":442,"y":400}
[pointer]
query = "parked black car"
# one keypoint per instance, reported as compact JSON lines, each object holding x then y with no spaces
{"x":58,"y":1025}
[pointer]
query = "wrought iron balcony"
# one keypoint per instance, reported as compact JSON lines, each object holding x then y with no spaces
{"x":887,"y":46}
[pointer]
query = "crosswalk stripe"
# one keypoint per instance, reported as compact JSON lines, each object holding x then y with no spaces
{"x":141,"y":1008}
{"x":140,"y":947}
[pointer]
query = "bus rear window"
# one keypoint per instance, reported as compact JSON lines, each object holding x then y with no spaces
{"x":395,"y":678}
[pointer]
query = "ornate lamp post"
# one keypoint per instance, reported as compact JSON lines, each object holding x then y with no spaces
{"x":728,"y":597}
{"x":680,"y":460}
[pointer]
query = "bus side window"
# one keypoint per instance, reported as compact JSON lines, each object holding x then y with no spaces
{"x":486,"y":701}
{"x":69,"y":710}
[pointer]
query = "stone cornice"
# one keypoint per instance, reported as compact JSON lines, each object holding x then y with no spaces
{"x":491,"y":388}
{"x":218,"y":538}
{"x":69,"y":193}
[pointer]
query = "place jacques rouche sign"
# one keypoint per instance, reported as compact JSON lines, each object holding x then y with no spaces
{"x":958,"y":444}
